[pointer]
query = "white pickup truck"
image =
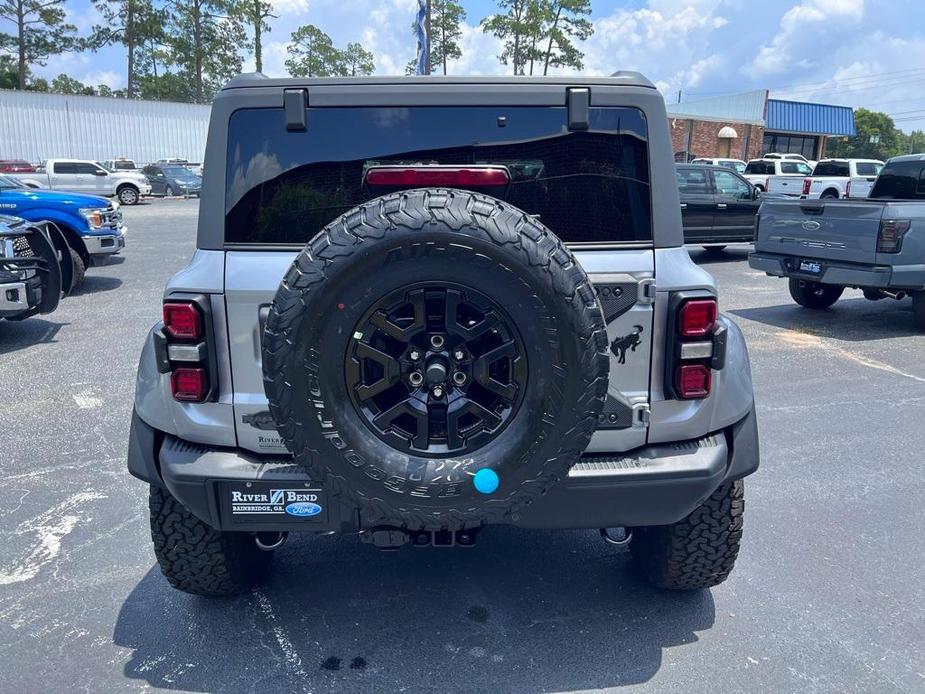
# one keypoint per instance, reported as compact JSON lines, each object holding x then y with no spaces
{"x":842,"y":178}
{"x":777,"y":176}
{"x":84,"y":176}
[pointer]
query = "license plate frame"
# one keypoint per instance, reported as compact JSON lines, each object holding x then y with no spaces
{"x":810,"y":267}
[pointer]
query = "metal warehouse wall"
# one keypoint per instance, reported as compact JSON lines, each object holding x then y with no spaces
{"x":36,"y":126}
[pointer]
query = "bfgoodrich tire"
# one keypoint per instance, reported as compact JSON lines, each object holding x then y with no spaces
{"x":195,"y":557}
{"x":698,"y":551}
{"x":813,"y":294}
{"x":381,"y":382}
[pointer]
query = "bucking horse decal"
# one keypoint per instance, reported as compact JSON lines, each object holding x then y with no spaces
{"x":627,"y":342}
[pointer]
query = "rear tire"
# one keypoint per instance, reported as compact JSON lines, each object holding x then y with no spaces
{"x":918,"y":309}
{"x":698,"y":551}
{"x":195,"y":557}
{"x":80,"y":269}
{"x":813,"y":294}
{"x":829,"y":195}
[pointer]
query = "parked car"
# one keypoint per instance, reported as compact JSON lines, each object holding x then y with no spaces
{"x":779,"y":176}
{"x":455,"y":346}
{"x":34,"y":273}
{"x":91,"y":225}
{"x":80,"y":176}
{"x":120,"y":164}
{"x":842,"y":178}
{"x":15,"y":166}
{"x":172,"y":180}
{"x":718,"y":206}
{"x":876,"y":244}
{"x":790,"y":155}
{"x":736,"y":165}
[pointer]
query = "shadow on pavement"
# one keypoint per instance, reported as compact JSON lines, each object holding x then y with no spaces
{"x":730,"y":254}
{"x":853,"y":320}
{"x":95,"y":283}
{"x":522,"y":611}
{"x":17,"y":335}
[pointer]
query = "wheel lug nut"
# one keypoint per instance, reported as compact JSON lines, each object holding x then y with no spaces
{"x":436,"y":341}
{"x":437,"y":392}
{"x":415,"y":355}
{"x":459,"y":378}
{"x":459,"y":355}
{"x":416,"y":378}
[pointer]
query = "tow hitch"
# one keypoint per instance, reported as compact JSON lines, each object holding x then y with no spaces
{"x":387,"y":538}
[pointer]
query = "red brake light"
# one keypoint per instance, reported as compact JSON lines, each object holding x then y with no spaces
{"x":848,"y":189}
{"x":697,"y":317}
{"x":182,"y":321}
{"x":189,"y":384}
{"x":890,"y":236}
{"x":807,"y":184}
{"x":693,"y":381}
{"x":452,"y":176}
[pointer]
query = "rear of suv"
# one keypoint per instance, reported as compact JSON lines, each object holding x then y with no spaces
{"x":421,"y":307}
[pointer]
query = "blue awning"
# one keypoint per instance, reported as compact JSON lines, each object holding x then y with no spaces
{"x":813,"y":119}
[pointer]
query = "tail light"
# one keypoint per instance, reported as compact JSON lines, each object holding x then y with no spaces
{"x":807,"y":184}
{"x":890,"y":236}
{"x":767,"y":185}
{"x":183,"y":348}
{"x":848,"y":189}
{"x":449,"y":176}
{"x":697,"y":345}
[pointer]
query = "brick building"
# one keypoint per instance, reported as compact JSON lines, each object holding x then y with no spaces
{"x":749,"y":125}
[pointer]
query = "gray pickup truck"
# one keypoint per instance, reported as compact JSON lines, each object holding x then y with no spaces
{"x":875,"y":244}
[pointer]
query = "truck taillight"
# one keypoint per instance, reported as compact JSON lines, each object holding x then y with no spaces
{"x":890,"y":236}
{"x":807,"y":184}
{"x":182,"y":320}
{"x":184,"y":348}
{"x":767,"y":184}
{"x":848,"y":189}
{"x":697,"y":345}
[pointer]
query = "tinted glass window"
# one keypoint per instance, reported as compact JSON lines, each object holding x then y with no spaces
{"x":866,"y":168}
{"x":759,"y":167}
{"x":730,"y":185}
{"x":901,"y":181}
{"x":832,"y":168}
{"x":85,"y":168}
{"x":692,"y":182}
{"x":587,"y":186}
{"x":64,"y":167}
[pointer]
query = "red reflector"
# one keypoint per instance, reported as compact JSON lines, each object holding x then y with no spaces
{"x":697,"y":317}
{"x":182,"y":321}
{"x":418,"y":176}
{"x":693,"y":381}
{"x":189,"y":385}
{"x":807,"y":184}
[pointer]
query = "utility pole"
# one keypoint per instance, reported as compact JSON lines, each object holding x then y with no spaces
{"x":427,"y":65}
{"x":679,"y":96}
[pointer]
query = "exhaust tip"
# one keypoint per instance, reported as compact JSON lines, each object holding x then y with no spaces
{"x":608,"y":535}
{"x":270,"y":541}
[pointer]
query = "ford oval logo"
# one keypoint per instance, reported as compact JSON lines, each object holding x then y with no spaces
{"x":303,"y":509}
{"x":811,"y":225}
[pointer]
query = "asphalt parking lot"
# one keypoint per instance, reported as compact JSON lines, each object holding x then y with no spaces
{"x":827,"y":595}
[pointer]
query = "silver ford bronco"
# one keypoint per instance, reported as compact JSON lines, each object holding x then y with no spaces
{"x":422,"y":306}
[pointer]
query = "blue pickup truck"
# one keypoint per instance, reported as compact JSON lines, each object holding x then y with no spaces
{"x":92,"y":225}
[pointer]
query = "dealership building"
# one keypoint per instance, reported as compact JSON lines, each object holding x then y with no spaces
{"x":748,"y":125}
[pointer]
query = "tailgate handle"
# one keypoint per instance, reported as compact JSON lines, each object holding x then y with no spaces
{"x":812,"y":209}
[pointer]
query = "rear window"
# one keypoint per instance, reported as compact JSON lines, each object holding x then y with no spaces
{"x":588,"y":186}
{"x":759,"y":167}
{"x":901,"y":181}
{"x":832,"y":168}
{"x":692,"y":182}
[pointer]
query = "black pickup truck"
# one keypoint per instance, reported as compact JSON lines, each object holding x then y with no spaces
{"x":718,"y":206}
{"x":875,"y":244}
{"x":35,"y":268}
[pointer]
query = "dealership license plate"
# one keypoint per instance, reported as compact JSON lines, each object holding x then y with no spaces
{"x":813,"y":268}
{"x":273,"y":502}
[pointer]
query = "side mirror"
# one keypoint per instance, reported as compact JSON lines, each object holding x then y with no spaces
{"x":756,"y":194}
{"x":100,"y":172}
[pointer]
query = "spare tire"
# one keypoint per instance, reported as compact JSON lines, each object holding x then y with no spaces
{"x":436,"y":358}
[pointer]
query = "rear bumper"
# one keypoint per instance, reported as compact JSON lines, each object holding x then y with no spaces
{"x":653,"y":485}
{"x":844,"y":274}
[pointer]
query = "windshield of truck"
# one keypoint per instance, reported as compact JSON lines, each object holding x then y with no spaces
{"x":103,"y":166}
{"x":283,"y":187}
{"x":759,"y":168}
{"x":180,"y":173}
{"x":7,"y":182}
{"x":832,"y":168}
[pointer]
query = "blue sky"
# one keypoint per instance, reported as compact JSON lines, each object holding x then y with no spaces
{"x":855,"y":52}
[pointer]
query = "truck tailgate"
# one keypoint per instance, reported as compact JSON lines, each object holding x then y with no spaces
{"x":837,"y":230}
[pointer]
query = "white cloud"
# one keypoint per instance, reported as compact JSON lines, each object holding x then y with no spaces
{"x":111,"y":79}
{"x":283,"y":7}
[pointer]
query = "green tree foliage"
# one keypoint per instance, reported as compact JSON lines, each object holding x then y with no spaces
{"x":445,"y":18}
{"x":877,"y":138}
{"x":202,"y":39}
{"x":9,"y":73}
{"x":63,"y":84}
{"x":255,"y":14}
{"x":131,"y":23}
{"x":519,"y":25}
{"x":312,"y":53}
{"x":39,"y":31}
{"x":563,"y":23}
{"x":357,"y":61}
